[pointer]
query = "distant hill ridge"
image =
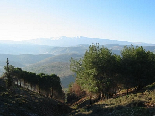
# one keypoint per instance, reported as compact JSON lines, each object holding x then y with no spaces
{"x":72,"y":41}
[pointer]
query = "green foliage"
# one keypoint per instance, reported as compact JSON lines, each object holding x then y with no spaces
{"x":100,"y":71}
{"x":48,"y":83}
{"x":8,"y":71}
{"x":96,"y":71}
{"x":137,"y":67}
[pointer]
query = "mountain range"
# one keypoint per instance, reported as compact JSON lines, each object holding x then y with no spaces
{"x":72,"y":41}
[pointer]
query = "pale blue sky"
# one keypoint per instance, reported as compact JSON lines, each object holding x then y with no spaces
{"x":126,"y":20}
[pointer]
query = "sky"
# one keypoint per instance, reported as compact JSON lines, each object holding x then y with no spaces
{"x":124,"y":20}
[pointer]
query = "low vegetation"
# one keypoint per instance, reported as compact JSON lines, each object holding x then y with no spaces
{"x":134,"y":104}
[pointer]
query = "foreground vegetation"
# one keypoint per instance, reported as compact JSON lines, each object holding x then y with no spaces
{"x":19,"y":101}
{"x":101,"y":76}
{"x":102,"y":72}
{"x":48,"y":85}
{"x":135,"y":104}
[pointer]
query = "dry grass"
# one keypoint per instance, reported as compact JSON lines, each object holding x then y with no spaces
{"x":134,"y":104}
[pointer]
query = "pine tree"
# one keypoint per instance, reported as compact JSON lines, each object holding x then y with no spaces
{"x":96,"y":71}
{"x":9,"y":78}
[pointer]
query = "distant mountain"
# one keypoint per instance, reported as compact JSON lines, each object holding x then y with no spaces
{"x":72,"y":41}
{"x":17,"y":49}
{"x":60,"y":45}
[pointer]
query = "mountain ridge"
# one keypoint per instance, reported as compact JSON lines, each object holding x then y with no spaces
{"x":64,"y":41}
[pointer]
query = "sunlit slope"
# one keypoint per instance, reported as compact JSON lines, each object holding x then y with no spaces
{"x":59,"y":64}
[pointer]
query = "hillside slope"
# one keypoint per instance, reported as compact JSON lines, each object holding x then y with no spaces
{"x":23,"y":102}
{"x":59,"y":65}
{"x":22,"y":59}
{"x":135,"y":104}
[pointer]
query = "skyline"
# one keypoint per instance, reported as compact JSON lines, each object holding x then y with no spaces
{"x":132,"y":21}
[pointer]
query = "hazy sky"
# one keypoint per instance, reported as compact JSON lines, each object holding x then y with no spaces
{"x":130,"y":20}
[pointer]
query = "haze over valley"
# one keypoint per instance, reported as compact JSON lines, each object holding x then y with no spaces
{"x":53,"y":55}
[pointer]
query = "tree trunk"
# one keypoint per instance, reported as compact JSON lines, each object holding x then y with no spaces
{"x":90,"y":100}
{"x":20,"y":83}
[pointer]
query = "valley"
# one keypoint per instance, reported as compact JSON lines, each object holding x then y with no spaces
{"x":50,"y":56}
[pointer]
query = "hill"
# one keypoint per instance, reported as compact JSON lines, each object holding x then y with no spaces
{"x":21,"y":60}
{"x":59,"y":64}
{"x":18,"y":49}
{"x":62,"y":69}
{"x":23,"y":102}
{"x":135,"y":104}
{"x":20,"y":101}
{"x":33,"y":49}
{"x":46,"y":63}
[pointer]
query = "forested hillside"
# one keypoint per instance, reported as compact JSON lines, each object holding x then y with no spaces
{"x":101,"y":71}
{"x":32,"y":94}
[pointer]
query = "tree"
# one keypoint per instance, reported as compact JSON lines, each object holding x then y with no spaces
{"x":18,"y":74}
{"x":46,"y":83}
{"x":95,"y":72}
{"x":49,"y":83}
{"x":138,"y":67}
{"x":9,"y":69}
{"x":55,"y":84}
